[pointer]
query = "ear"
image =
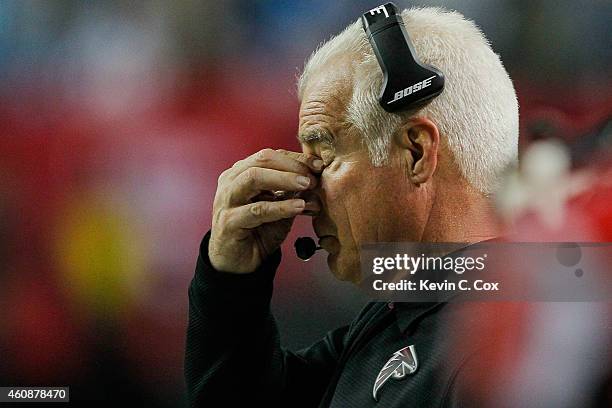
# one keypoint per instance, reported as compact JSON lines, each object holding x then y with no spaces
{"x":419,"y":140}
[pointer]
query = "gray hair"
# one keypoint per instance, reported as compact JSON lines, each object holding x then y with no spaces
{"x":477,"y":113}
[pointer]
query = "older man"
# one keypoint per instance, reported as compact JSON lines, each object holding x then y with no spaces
{"x":369,"y":176}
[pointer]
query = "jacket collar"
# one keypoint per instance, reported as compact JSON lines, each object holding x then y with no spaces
{"x":407,"y":313}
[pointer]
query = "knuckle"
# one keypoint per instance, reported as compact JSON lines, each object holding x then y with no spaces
{"x":237,"y":164}
{"x":221,"y":222}
{"x":264,"y":156}
{"x":221,"y":219}
{"x":222,"y":177}
{"x":250,"y":176}
{"x":258,"y":209}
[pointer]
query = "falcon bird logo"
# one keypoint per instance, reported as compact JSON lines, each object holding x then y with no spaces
{"x":402,"y":363}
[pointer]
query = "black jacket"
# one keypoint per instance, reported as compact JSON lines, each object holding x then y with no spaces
{"x":234,"y":356}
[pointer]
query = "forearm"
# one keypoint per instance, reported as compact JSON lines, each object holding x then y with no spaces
{"x":232,"y":348}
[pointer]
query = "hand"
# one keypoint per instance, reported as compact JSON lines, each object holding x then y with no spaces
{"x":246,"y":226}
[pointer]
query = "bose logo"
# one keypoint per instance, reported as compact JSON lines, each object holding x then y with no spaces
{"x":412,"y":89}
{"x":378,"y":10}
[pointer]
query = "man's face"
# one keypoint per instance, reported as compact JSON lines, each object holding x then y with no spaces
{"x":360,"y":203}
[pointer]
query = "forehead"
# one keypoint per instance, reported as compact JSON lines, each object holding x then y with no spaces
{"x":327,"y":93}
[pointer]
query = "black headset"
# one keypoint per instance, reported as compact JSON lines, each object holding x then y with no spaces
{"x":408,"y":83}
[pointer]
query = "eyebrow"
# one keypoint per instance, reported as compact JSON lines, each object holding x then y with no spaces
{"x":316,"y":136}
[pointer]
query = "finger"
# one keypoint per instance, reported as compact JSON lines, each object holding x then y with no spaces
{"x":254,"y":180}
{"x":313,"y":207}
{"x":313,"y":162}
{"x":272,"y":159}
{"x":262,"y":212}
{"x":313,"y":202}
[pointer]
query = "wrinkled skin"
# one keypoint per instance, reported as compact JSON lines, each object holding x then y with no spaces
{"x":419,"y":195}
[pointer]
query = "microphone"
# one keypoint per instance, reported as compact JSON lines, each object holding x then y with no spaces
{"x":305,"y":247}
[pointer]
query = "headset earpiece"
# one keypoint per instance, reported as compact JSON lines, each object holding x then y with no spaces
{"x":408,"y":83}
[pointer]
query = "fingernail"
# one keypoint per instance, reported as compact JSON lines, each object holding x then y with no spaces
{"x":317,"y":164}
{"x":303,"y":181}
{"x":299,"y":204}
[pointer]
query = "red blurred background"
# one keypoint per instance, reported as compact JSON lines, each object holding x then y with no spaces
{"x":116,"y":119}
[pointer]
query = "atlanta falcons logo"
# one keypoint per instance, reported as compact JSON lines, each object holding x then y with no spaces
{"x":402,"y":363}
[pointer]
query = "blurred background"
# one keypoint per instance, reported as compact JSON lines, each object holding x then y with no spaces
{"x":116,"y":118}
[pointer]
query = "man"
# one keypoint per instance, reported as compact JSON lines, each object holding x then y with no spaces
{"x":369,"y":176}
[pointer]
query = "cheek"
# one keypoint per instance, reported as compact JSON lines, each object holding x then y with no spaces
{"x":341,"y":183}
{"x":351,"y":194}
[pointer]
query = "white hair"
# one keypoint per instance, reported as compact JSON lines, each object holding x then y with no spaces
{"x":477,"y":113}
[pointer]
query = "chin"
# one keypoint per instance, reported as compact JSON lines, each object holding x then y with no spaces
{"x":345,"y":268}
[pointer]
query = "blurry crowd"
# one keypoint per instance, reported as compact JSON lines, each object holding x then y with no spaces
{"x":116,"y":118}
